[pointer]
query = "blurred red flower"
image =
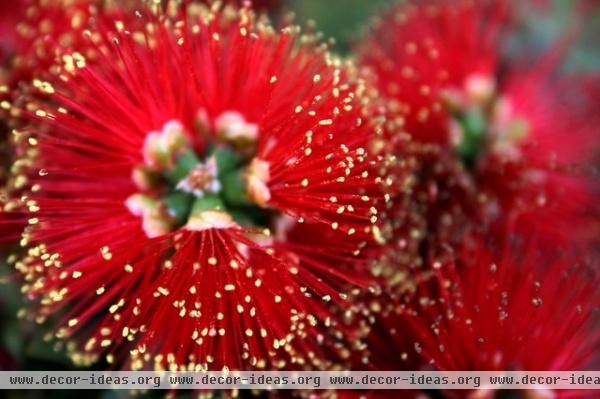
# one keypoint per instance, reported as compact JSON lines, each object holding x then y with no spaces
{"x":495,"y":137}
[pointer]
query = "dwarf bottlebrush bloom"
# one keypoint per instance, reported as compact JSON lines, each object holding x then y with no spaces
{"x":426,"y":53}
{"x":416,"y":52}
{"x":513,"y":305}
{"x":204,"y":187}
{"x":521,"y":138}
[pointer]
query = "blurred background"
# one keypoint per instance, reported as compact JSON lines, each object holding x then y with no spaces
{"x":21,"y":343}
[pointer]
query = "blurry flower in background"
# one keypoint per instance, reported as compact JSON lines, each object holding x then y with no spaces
{"x":496,"y":137}
{"x":418,"y":54}
{"x":419,"y":51}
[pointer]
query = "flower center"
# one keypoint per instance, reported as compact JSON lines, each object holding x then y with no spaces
{"x":224,"y":186}
{"x":483,"y":121}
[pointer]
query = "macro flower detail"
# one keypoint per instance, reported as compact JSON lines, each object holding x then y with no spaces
{"x":207,"y":186}
{"x":235,"y":206}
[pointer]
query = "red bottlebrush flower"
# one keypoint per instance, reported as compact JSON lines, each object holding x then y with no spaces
{"x":422,"y":51}
{"x":499,"y":126}
{"x":202,"y":171}
{"x":496,"y":307}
